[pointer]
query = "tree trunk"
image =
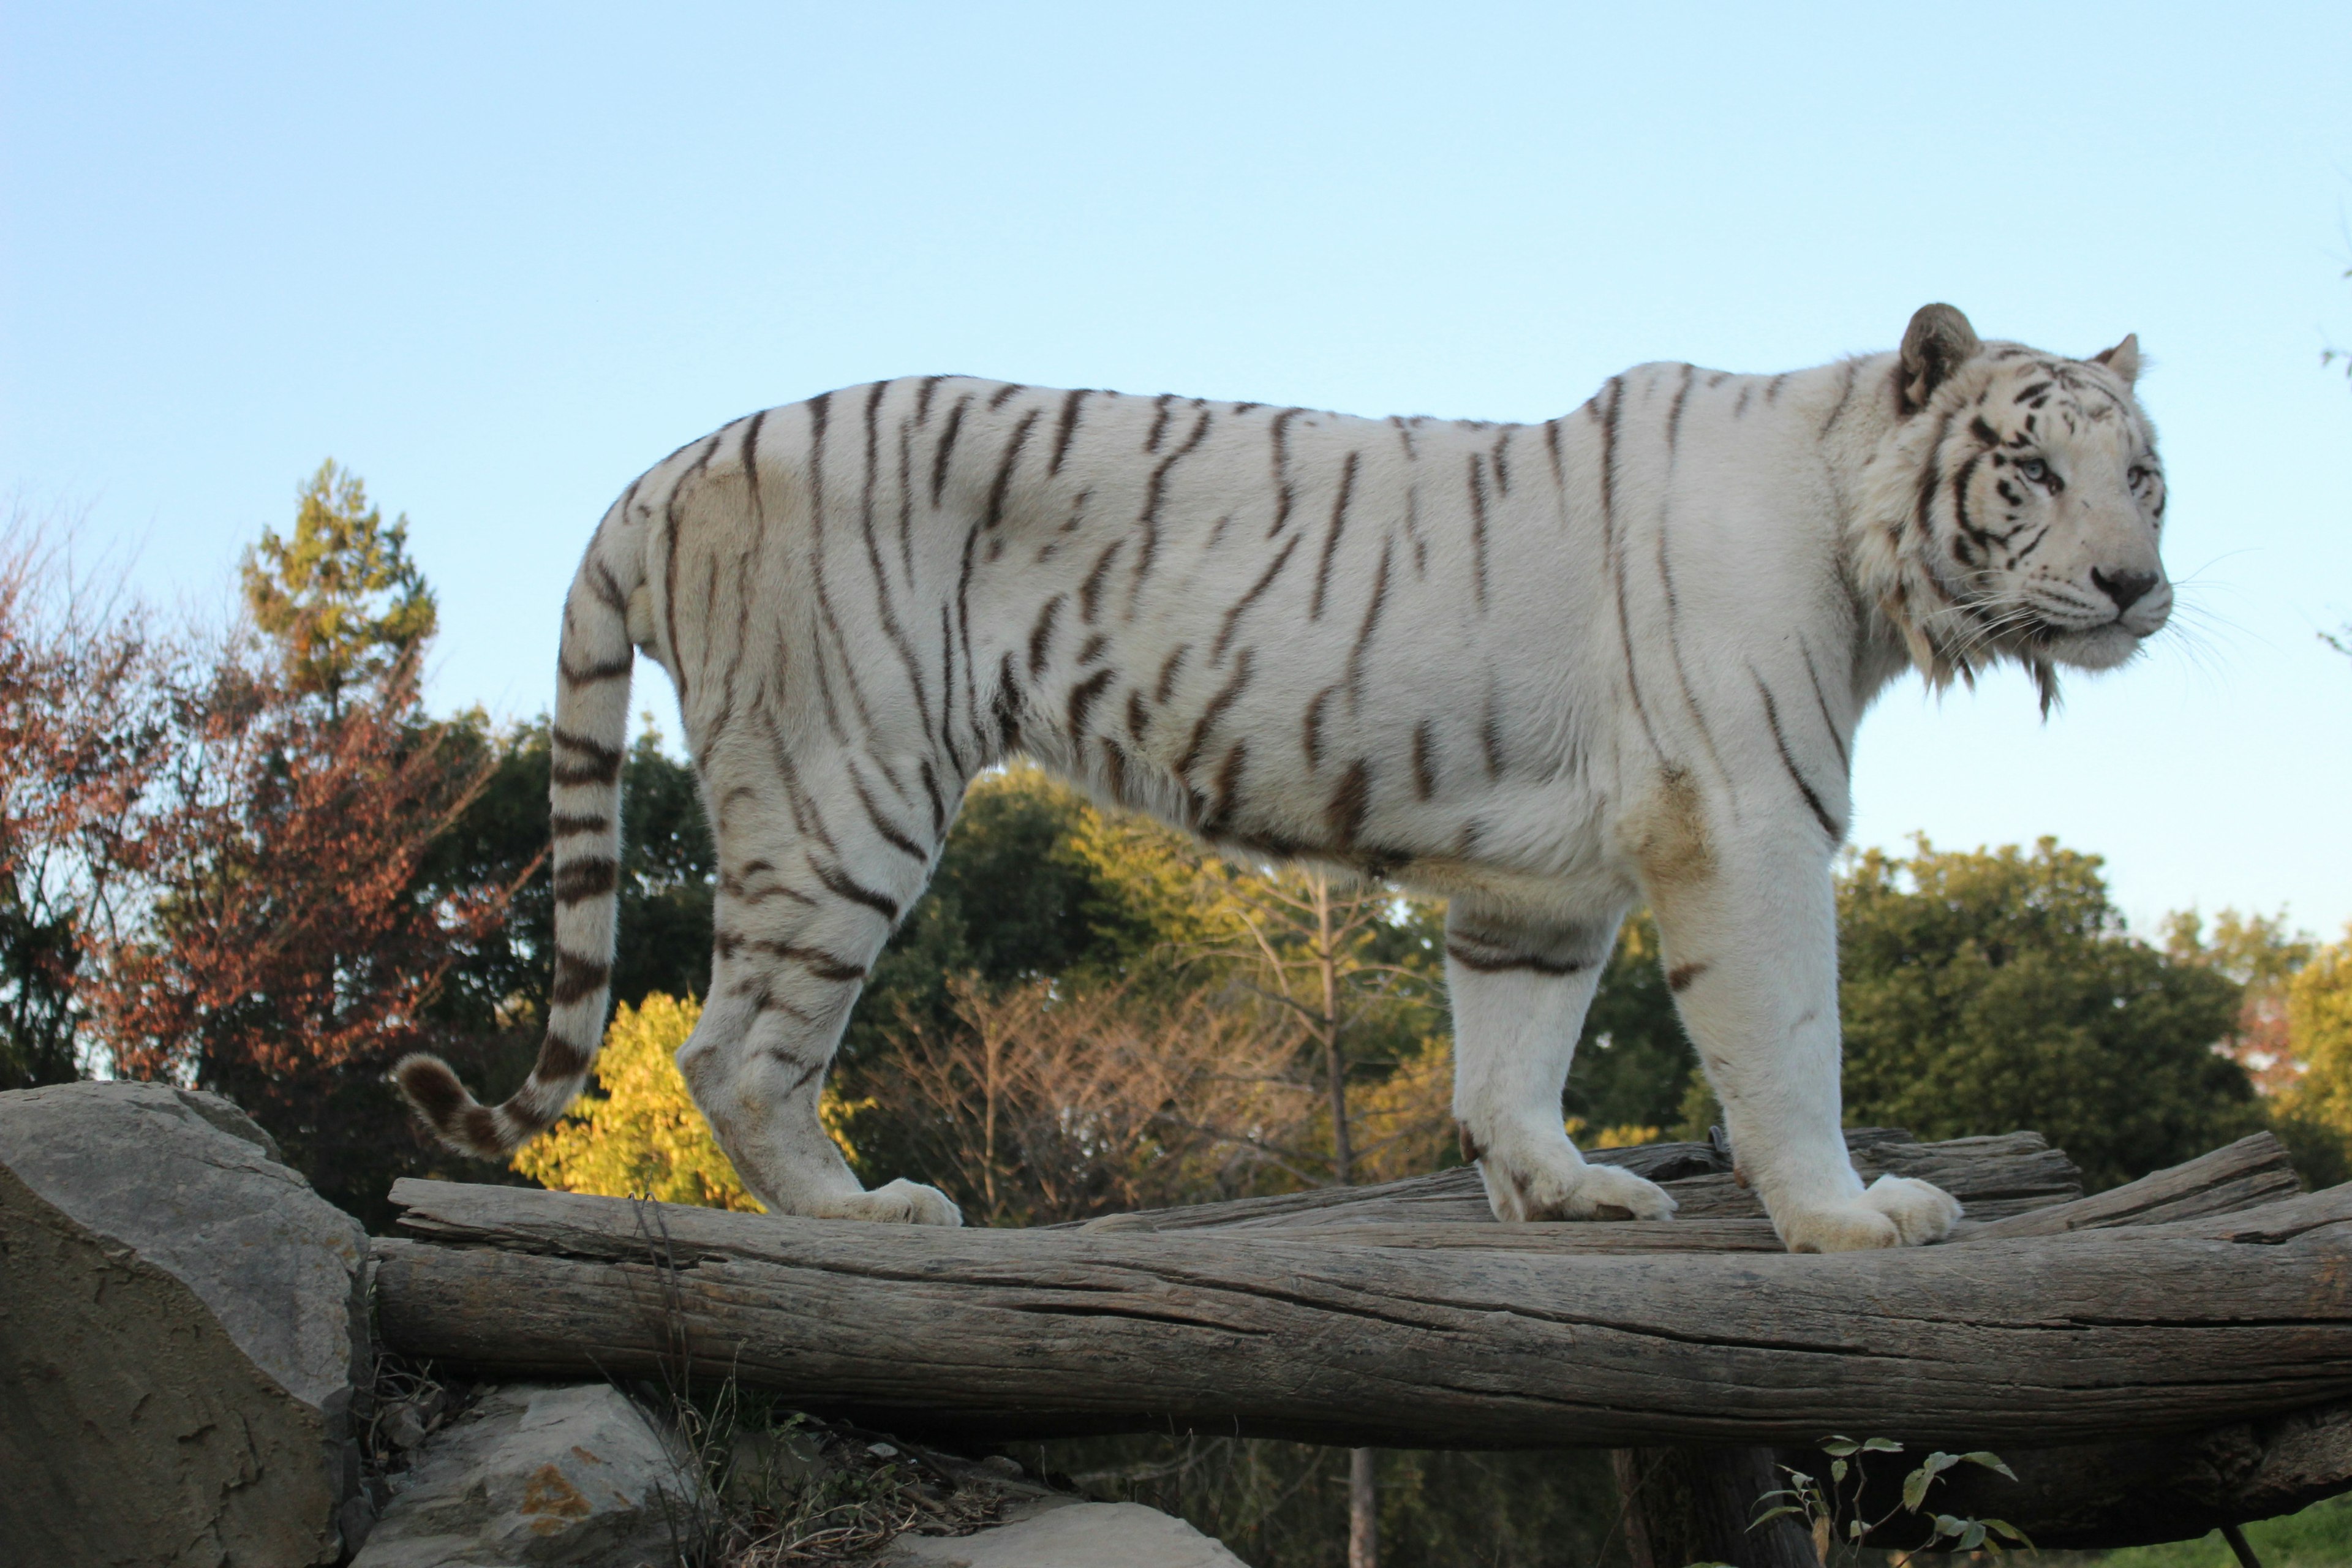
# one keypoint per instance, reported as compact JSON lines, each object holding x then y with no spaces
{"x":1697,"y":1505}
{"x":1334,"y":1048}
{"x":2134,"y":1492}
{"x":1363,"y":1510}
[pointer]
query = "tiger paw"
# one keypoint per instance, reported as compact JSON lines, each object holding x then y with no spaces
{"x":1895,"y":1211}
{"x":1921,"y":1211}
{"x":898,"y":1203}
{"x":1569,"y":1189}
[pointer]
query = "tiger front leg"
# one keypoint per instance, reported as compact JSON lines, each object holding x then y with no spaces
{"x":1520,"y":988}
{"x":1751,"y":950}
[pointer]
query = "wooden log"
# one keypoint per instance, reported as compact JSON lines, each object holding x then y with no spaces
{"x":1686,"y":1505}
{"x":1996,"y":1176}
{"x":2246,"y":1174}
{"x":2074,"y":1337}
{"x":2252,"y":1172}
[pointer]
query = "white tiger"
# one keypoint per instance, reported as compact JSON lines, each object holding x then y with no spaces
{"x":1543,"y":670}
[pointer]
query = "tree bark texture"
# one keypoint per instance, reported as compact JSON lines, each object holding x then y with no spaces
{"x":1684,"y":1505}
{"x":1695,"y":1505}
{"x":1998,"y":1176}
{"x":1363,"y":1509}
{"x":2070,"y":1337}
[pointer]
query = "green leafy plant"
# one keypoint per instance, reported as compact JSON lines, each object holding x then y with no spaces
{"x":1840,"y":1526}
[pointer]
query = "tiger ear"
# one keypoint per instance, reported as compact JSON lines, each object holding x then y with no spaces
{"x":1938,"y":342}
{"x":2123,"y":359}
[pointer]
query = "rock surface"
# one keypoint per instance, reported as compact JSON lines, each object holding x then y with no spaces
{"x":534,"y":1475}
{"x":182,"y":1327}
{"x":1072,"y":1535}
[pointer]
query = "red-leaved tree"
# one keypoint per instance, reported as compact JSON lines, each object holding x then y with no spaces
{"x":291,"y":945}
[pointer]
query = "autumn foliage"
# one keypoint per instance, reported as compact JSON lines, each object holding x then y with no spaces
{"x":290,"y":951}
{"x":90,"y":701}
{"x":641,"y":1135}
{"x":216,"y":868}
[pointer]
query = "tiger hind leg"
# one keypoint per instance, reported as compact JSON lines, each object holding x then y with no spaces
{"x":808,"y":894}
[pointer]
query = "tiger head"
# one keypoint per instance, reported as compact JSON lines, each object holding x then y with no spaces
{"x":2015,"y":507}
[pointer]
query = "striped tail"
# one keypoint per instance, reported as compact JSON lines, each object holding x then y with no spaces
{"x":592,"y":721}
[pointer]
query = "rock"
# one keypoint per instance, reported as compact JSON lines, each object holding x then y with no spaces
{"x":1072,"y":1535}
{"x":536,"y":1474}
{"x":182,"y":1327}
{"x":403,"y":1425}
{"x":767,"y":1467}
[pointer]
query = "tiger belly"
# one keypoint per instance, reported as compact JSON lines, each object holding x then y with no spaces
{"x":1301,"y":634}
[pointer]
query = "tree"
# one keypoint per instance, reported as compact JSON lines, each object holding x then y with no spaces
{"x":2319,"y":1023}
{"x":1020,"y":894}
{"x":1315,"y":950}
{"x":288,"y":942}
{"x":668,"y":873}
{"x":641,"y":1137}
{"x":288,"y":951}
{"x":1633,"y":1069}
{"x":1351,"y":967}
{"x":1990,"y":990}
{"x":2261,"y":955}
{"x":1049,"y":1101}
{"x":340,"y":597}
{"x":89,"y":698}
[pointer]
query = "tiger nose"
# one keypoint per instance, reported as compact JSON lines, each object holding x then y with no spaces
{"x":2124,"y":587}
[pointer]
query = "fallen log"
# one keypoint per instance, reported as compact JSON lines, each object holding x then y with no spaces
{"x":2148,"y":1328}
{"x":1995,"y":1177}
{"x":1687,"y":1504}
{"x":2253,"y":1171}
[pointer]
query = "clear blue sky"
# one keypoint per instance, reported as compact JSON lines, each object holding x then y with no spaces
{"x":499,"y":259}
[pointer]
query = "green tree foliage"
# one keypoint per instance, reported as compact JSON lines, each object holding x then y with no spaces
{"x":668,"y":872}
{"x":2259,"y":951}
{"x":1984,"y":991}
{"x":339,"y":596}
{"x":1032,"y":884}
{"x":2316,"y":1120}
{"x":1634,"y":1065}
{"x":1016,"y":896}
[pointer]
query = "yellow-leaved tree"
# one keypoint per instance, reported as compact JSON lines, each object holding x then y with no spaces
{"x":643,"y":1135}
{"x":2319,"y":1025}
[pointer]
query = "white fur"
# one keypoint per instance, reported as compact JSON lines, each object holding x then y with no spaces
{"x":1545,"y":671}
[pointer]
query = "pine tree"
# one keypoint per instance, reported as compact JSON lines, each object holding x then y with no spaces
{"x":340,"y":597}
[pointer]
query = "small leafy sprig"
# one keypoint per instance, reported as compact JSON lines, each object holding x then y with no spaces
{"x":1823,"y":1506}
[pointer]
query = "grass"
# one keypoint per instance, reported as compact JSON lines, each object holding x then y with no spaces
{"x":791,"y":1490}
{"x":2318,"y":1537}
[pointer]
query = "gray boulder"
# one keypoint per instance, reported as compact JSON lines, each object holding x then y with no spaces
{"x":535,"y":1474}
{"x":182,"y":1327}
{"x":1071,"y":1535}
